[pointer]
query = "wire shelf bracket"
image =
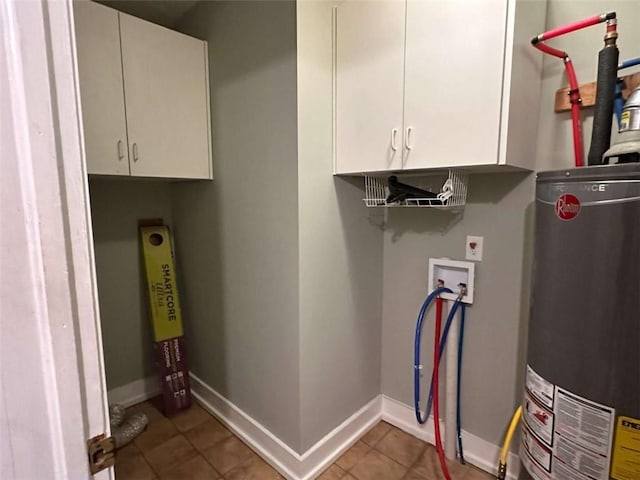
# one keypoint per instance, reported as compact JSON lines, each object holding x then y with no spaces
{"x":452,"y":193}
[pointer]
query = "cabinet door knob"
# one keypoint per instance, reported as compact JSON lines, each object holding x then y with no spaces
{"x":135,"y":152}
{"x":407,"y":142}
{"x":120,"y":150}
{"x":394,"y":134}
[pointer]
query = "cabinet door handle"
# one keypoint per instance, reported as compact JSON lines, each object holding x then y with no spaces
{"x":407,"y":142}
{"x":120,"y":150}
{"x":135,"y":152}
{"x":394,"y":134}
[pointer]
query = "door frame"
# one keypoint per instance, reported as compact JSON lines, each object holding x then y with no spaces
{"x":60,"y":369}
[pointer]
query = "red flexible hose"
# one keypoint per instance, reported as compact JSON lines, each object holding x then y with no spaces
{"x":574,"y":97}
{"x":572,"y":27}
{"x":550,"y":50}
{"x":577,"y":135}
{"x":436,"y":396}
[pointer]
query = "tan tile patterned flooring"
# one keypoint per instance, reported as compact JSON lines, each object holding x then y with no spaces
{"x":194,"y":445}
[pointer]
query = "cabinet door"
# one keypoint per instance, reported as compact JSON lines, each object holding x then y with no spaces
{"x":369,"y":85}
{"x":453,"y":85}
{"x":101,"y":91}
{"x":166,"y":92}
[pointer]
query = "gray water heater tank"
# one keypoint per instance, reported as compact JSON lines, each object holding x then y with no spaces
{"x":581,"y":406}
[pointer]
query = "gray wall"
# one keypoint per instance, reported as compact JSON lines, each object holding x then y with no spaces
{"x":498,"y":209}
{"x":237,"y":237}
{"x":280,"y":264}
{"x":340,"y":268}
{"x":116,"y":207}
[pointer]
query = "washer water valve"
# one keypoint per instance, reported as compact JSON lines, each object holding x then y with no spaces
{"x":456,"y":275}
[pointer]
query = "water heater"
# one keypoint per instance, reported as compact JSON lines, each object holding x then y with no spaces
{"x":581,"y":406}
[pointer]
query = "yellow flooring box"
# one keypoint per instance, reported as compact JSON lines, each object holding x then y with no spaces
{"x":161,"y":283}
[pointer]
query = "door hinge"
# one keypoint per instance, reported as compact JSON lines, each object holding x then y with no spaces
{"x":101,"y":452}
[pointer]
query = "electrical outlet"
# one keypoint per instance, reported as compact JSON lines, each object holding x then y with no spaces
{"x":474,"y":248}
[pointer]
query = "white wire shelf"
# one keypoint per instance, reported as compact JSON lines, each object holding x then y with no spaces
{"x":451,"y":194}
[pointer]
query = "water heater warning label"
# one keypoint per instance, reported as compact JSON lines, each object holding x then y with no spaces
{"x":583,"y":436}
{"x":626,"y":453}
{"x":583,"y":422}
{"x":534,"y":469}
{"x":568,"y":437}
{"x":538,"y":419}
{"x":540,"y":388}
{"x":536,"y":449}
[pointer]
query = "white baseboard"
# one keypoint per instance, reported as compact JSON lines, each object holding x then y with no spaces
{"x":340,"y":439}
{"x":134,"y":392}
{"x":308,"y":465}
{"x":290,"y":464}
{"x":477,"y":451}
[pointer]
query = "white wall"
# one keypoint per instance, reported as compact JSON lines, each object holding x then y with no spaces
{"x":340,"y":252}
{"x":237,"y":237}
{"x":117,"y":205}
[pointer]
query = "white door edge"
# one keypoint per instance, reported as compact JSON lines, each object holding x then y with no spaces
{"x":61,"y":368}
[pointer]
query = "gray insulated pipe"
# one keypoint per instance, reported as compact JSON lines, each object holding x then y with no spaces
{"x":605,"y":96}
{"x":124,"y":428}
{"x":130,"y":428}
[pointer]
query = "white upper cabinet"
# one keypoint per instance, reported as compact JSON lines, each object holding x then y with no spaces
{"x":469,"y":84}
{"x":370,"y":60}
{"x":101,"y":88}
{"x":166,"y":86}
{"x":453,"y":82}
{"x":158,"y":123}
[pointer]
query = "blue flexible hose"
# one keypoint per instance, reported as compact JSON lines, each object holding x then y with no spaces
{"x":629,"y":63}
{"x":416,"y":351}
{"x":458,"y":403}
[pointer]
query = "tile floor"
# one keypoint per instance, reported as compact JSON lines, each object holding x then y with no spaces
{"x":193,"y":445}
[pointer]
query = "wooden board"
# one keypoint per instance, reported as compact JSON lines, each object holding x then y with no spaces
{"x":588,"y":93}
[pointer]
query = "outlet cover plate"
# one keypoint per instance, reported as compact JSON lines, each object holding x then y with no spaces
{"x":452,"y":272}
{"x":474,"y":248}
